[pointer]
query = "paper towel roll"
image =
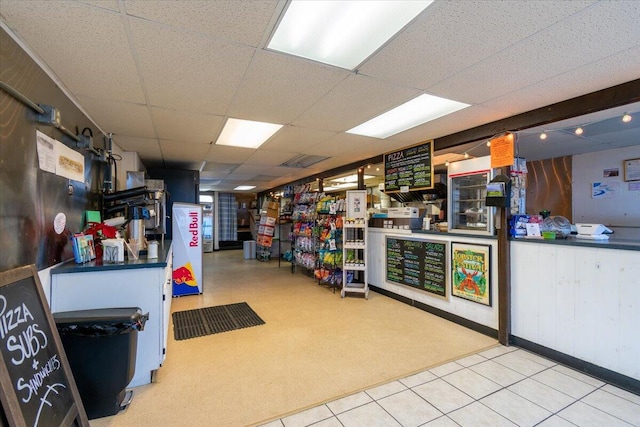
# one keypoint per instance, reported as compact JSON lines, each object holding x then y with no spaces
{"x":152,"y":250}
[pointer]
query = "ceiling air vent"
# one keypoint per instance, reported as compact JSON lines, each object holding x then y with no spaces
{"x":303,"y":161}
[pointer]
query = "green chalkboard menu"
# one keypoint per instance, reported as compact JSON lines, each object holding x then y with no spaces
{"x":421,"y":264}
{"x":37,"y":385}
{"x":409,"y":169}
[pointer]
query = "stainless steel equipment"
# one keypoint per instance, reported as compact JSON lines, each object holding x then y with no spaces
{"x":467,"y":209}
{"x":157,"y":206}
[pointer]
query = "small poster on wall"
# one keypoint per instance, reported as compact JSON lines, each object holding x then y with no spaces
{"x":602,"y":190}
{"x":470,"y":272}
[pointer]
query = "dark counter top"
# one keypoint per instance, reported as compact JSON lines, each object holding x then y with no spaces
{"x":98,"y":265}
{"x":612,"y":243}
{"x":454,"y":235}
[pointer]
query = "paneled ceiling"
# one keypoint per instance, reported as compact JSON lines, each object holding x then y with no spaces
{"x":163,"y":76}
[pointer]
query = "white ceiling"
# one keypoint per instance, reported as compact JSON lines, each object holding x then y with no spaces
{"x":163,"y":76}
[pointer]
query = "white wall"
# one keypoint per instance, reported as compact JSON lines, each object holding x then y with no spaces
{"x":376,"y":275}
{"x":622,"y":208}
{"x":580,"y":301}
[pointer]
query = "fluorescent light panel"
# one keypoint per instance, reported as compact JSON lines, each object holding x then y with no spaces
{"x":351,"y":178}
{"x":419,"y":110}
{"x":341,"y":33}
{"x":246,"y":133}
{"x":244,"y":187}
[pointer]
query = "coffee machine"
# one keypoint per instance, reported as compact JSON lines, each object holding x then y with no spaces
{"x":131,"y":206}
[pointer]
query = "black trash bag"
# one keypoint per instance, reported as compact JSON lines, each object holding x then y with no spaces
{"x":100,"y":322}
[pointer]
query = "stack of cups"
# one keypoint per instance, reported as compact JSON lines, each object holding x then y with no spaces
{"x":426,"y":222}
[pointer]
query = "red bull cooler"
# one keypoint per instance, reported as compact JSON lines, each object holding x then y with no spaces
{"x":187,"y":249}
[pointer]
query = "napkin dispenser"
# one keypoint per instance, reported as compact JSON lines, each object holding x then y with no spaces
{"x":113,"y":250}
{"x":592,"y":231}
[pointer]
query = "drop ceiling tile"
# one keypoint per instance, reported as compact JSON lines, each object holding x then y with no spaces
{"x":445,"y":38}
{"x":174,"y":151}
{"x":283,"y":171}
{"x":213,"y":175}
{"x":339,"y":144}
{"x":220,"y":167}
{"x":119,"y":117}
{"x":105,"y":4}
{"x":183,"y":71}
{"x":473,"y":116}
{"x":264,"y":178}
{"x":147,"y":148}
{"x":226,"y":154}
{"x":235,"y":177}
{"x":329,"y":164}
{"x":276,"y":87}
{"x":295,"y":138}
{"x":251,"y":169}
{"x":595,"y":77}
{"x":186,"y":126}
{"x":242,"y":22}
{"x":575,"y":42}
{"x":71,"y":50}
{"x":352,"y":102}
{"x":269,"y":158}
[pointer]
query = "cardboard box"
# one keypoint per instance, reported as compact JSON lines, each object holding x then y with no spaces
{"x":265,"y":230}
{"x":270,"y":206}
{"x":272,"y":213}
{"x":267,"y":220}
{"x":264,"y":241}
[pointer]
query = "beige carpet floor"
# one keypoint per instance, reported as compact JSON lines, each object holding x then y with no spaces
{"x":314,"y":348}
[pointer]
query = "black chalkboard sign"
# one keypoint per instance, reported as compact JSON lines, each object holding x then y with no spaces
{"x":38,"y":389}
{"x":421,"y":264}
{"x":409,"y":169}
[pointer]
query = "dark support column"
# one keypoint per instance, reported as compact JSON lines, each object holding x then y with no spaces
{"x":361,"y":179}
{"x":504,"y":279}
{"x":320,"y":184}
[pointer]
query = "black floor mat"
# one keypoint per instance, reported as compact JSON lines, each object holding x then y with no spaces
{"x":213,"y":320}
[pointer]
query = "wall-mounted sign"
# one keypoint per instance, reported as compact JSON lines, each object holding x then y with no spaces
{"x":420,"y":264}
{"x":502,"y":151}
{"x":409,"y":169}
{"x":471,"y":272}
{"x":632,"y":170}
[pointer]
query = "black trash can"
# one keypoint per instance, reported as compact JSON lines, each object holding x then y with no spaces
{"x":101,"y":347}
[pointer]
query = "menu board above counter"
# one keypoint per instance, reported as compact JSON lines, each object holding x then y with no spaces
{"x":420,"y":264}
{"x":409,"y":169}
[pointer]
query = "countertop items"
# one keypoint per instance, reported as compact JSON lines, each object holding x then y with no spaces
{"x":99,"y":265}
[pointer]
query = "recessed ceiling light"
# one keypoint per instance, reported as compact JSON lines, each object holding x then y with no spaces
{"x":341,"y":33}
{"x":543,"y":135}
{"x":419,"y":110}
{"x":244,"y":187}
{"x":626,"y":118}
{"x":579,"y":131}
{"x":246,"y":133}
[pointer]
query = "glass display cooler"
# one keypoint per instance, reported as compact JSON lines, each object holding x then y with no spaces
{"x":466,"y":207}
{"x":207,"y":227}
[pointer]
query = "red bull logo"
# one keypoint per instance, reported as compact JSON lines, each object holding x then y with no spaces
{"x":193,"y":229}
{"x":184,"y":276}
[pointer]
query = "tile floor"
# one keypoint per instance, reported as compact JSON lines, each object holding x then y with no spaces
{"x":503,"y":386}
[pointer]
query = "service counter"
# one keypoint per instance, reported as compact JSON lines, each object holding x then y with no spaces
{"x":133,"y":283}
{"x":579,"y":301}
{"x":574,"y":300}
{"x":479,"y":315}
